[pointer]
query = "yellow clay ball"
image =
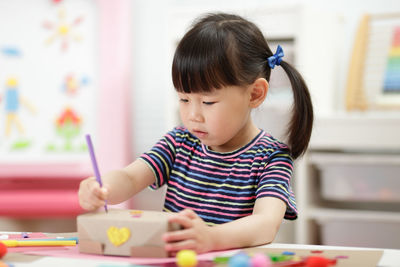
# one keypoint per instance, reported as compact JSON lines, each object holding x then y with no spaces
{"x":186,"y":258}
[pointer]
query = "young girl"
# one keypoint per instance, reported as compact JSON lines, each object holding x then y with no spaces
{"x":228,"y":180}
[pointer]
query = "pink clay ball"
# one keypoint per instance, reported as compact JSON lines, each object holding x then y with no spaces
{"x":260,"y":260}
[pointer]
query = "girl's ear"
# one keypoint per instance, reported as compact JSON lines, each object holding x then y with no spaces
{"x":258,"y":92}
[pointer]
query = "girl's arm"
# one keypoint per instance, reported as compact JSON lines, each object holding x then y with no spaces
{"x":118,"y":185}
{"x":126,"y":182}
{"x":256,"y":229}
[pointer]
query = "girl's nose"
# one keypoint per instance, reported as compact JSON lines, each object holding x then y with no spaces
{"x":195,"y":114}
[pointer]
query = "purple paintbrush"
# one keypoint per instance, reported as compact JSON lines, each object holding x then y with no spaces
{"x":94,"y":163}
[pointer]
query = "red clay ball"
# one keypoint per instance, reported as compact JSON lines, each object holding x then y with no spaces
{"x":317,"y":261}
{"x":3,"y":250}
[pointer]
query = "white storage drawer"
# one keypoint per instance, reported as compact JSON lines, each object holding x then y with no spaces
{"x":359,"y":178}
{"x":360,"y":234}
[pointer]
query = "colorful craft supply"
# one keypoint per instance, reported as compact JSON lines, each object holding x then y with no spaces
{"x":54,"y":239}
{"x":288,"y":253}
{"x":280,"y":257}
{"x":37,"y":243}
{"x":136,"y":213}
{"x":94,"y":163}
{"x":260,"y":260}
{"x":240,"y":259}
{"x":317,"y":261}
{"x":296,"y":258}
{"x":24,"y":235}
{"x":3,"y":249}
{"x":221,"y":259}
{"x":66,"y":238}
{"x":186,"y":258}
{"x":316,"y":251}
{"x":342,"y":257}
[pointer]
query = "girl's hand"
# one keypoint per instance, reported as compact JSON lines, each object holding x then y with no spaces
{"x":91,"y":195}
{"x":196,"y":234}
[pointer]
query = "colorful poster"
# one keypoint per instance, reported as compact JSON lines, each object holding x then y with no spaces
{"x":48,"y":80}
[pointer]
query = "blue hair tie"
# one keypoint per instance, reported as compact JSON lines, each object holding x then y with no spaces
{"x":276,"y":59}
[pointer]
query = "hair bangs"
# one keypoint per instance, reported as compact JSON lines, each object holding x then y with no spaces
{"x":202,"y":64}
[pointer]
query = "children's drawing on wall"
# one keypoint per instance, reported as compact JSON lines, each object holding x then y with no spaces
{"x":48,"y":77}
{"x":68,"y":127}
{"x":63,"y":30}
{"x":13,"y":102}
{"x":11,"y":51}
{"x":72,"y":83}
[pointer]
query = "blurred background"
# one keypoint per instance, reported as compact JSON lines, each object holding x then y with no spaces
{"x":72,"y":67}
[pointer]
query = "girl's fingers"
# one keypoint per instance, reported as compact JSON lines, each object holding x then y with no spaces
{"x":91,"y":195}
{"x":96,"y":191}
{"x":97,"y":202}
{"x":185,"y":244}
{"x":184,"y":221}
{"x":92,"y":203}
{"x":104,"y":191}
{"x":179,"y":235}
{"x":88,"y":206}
{"x":189,"y":213}
{"x":99,"y":192}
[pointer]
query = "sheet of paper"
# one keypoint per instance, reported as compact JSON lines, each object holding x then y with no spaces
{"x":18,"y":235}
{"x":27,"y":249}
{"x":52,"y":261}
{"x":74,"y":253}
{"x":345,"y":258}
{"x":35,"y":235}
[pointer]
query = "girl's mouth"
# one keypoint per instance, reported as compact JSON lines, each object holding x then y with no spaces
{"x":199,"y":133}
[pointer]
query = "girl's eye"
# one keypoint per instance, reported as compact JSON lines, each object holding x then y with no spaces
{"x":183,"y":100}
{"x":208,"y":103}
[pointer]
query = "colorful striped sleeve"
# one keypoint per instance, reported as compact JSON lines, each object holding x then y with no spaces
{"x":275,"y":182}
{"x":161,"y":158}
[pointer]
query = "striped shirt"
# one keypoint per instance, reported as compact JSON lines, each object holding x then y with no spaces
{"x":221,"y":187}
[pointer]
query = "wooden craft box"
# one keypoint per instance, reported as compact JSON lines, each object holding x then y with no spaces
{"x":132,"y":233}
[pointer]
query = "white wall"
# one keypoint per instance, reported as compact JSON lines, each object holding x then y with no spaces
{"x":151,"y":61}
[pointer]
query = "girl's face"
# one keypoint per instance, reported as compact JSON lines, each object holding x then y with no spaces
{"x":220,"y":119}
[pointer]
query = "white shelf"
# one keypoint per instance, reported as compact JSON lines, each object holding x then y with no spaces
{"x":366,"y":158}
{"x":357,"y":131}
{"x":326,"y":214}
{"x":347,"y":142}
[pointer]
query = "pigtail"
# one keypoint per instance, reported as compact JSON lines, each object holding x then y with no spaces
{"x":301,"y":122}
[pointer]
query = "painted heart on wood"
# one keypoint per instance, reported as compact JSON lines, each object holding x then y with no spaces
{"x":118,"y":236}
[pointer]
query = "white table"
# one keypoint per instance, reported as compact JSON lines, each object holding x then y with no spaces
{"x":390,"y":257}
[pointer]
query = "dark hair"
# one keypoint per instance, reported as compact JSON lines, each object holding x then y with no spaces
{"x":225,"y":50}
